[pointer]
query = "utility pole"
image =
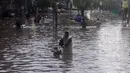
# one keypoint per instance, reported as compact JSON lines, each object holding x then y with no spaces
{"x":26,"y":6}
{"x":55,"y":18}
{"x":26,"y":10}
{"x":23,"y":12}
{"x":100,"y":10}
{"x":70,"y":8}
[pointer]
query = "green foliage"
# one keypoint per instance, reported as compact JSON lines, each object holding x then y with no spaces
{"x":82,"y":4}
{"x":19,"y":2}
{"x":96,"y":3}
{"x":43,"y":3}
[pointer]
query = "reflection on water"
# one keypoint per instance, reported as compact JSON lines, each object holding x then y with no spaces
{"x":104,"y":50}
{"x":33,"y":28}
{"x":110,"y":46}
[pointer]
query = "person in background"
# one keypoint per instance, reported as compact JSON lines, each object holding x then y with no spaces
{"x":27,"y":15}
{"x":124,"y":6}
{"x":79,"y":18}
{"x":37,"y":18}
{"x":98,"y":23}
{"x":18,"y":24}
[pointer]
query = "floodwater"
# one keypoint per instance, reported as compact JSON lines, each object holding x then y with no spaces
{"x":95,"y":50}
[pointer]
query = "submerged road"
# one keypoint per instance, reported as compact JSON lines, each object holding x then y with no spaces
{"x":95,"y":50}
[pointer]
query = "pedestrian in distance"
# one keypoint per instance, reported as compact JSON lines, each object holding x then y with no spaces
{"x":18,"y":24}
{"x":27,"y":16}
{"x":124,"y":6}
{"x":37,"y":18}
{"x":98,"y":23}
{"x":79,"y":18}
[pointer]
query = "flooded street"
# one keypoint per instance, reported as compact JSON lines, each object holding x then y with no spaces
{"x":95,"y":50}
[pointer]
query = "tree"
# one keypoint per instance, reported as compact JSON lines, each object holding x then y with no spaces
{"x":67,"y":3}
{"x":82,"y":5}
{"x":43,"y":3}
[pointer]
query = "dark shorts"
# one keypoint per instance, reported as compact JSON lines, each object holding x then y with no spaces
{"x":125,"y":11}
